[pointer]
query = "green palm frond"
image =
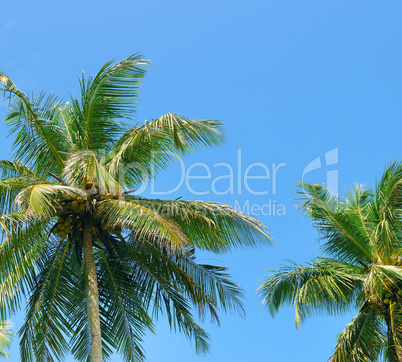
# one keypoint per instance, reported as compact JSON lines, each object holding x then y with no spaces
{"x":389,"y":188}
{"x":326,"y":285}
{"x":6,"y":335}
{"x":107,"y":97}
{"x":341,"y":233}
{"x":38,"y":139}
{"x":144,"y":151}
{"x":361,"y":340}
{"x":119,"y":292}
{"x":83,"y":167}
{"x":189,"y":135}
{"x":143,"y":222}
{"x":14,"y":177}
{"x":21,"y":249}
{"x":178,"y":279}
{"x":11,"y":223}
{"x":44,"y":200}
{"x":209,"y":225}
{"x":43,"y":335}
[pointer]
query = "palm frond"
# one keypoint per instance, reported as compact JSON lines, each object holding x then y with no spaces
{"x":6,"y":335}
{"x":43,"y":335}
{"x":41,"y":200}
{"x":176,"y":283}
{"x":108,"y":96}
{"x":14,"y":177}
{"x":144,"y":223}
{"x":124,"y":310}
{"x":144,"y":151}
{"x":361,"y":340}
{"x":19,"y":254}
{"x":209,"y":225}
{"x":39,"y":140}
{"x":326,"y":285}
{"x":343,"y":235}
{"x":84,"y":166}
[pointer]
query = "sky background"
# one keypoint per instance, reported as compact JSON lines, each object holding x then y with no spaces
{"x":291,"y":80}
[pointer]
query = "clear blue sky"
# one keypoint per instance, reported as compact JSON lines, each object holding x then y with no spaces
{"x":292,"y":80}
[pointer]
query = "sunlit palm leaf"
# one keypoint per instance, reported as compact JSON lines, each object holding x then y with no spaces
{"x":6,"y":335}
{"x":144,"y":151}
{"x":108,"y":96}
{"x":38,"y":139}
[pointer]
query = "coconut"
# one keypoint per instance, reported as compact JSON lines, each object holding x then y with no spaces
{"x":55,"y":230}
{"x":386,"y":301}
{"x":62,"y":234}
{"x":82,"y":207}
{"x":70,"y":219}
{"x":61,"y":226}
{"x":89,"y":184}
{"x":74,"y":203}
{"x":388,"y":295}
{"x":105,"y":227}
{"x":67,"y":230}
{"x":400,"y":292}
{"x":60,"y":220}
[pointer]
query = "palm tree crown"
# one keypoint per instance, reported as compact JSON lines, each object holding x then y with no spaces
{"x":362,"y":269}
{"x":97,"y":262}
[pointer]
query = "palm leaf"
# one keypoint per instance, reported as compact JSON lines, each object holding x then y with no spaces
{"x":38,"y":139}
{"x":209,"y":225}
{"x":144,"y":151}
{"x":110,"y":95}
{"x":361,"y":340}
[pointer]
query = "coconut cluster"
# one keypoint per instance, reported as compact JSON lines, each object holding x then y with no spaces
{"x":65,"y":226}
{"x":393,"y":295}
{"x":69,"y":223}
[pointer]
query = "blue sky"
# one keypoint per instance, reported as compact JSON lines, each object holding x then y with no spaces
{"x":291,"y":80}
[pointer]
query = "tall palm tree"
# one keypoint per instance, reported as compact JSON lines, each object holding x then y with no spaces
{"x":361,"y":268}
{"x":97,"y":262}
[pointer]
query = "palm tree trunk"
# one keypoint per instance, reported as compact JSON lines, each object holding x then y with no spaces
{"x":93,"y":298}
{"x":391,"y":349}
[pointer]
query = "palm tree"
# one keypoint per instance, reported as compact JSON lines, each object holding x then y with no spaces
{"x":97,"y":262}
{"x":361,"y":268}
